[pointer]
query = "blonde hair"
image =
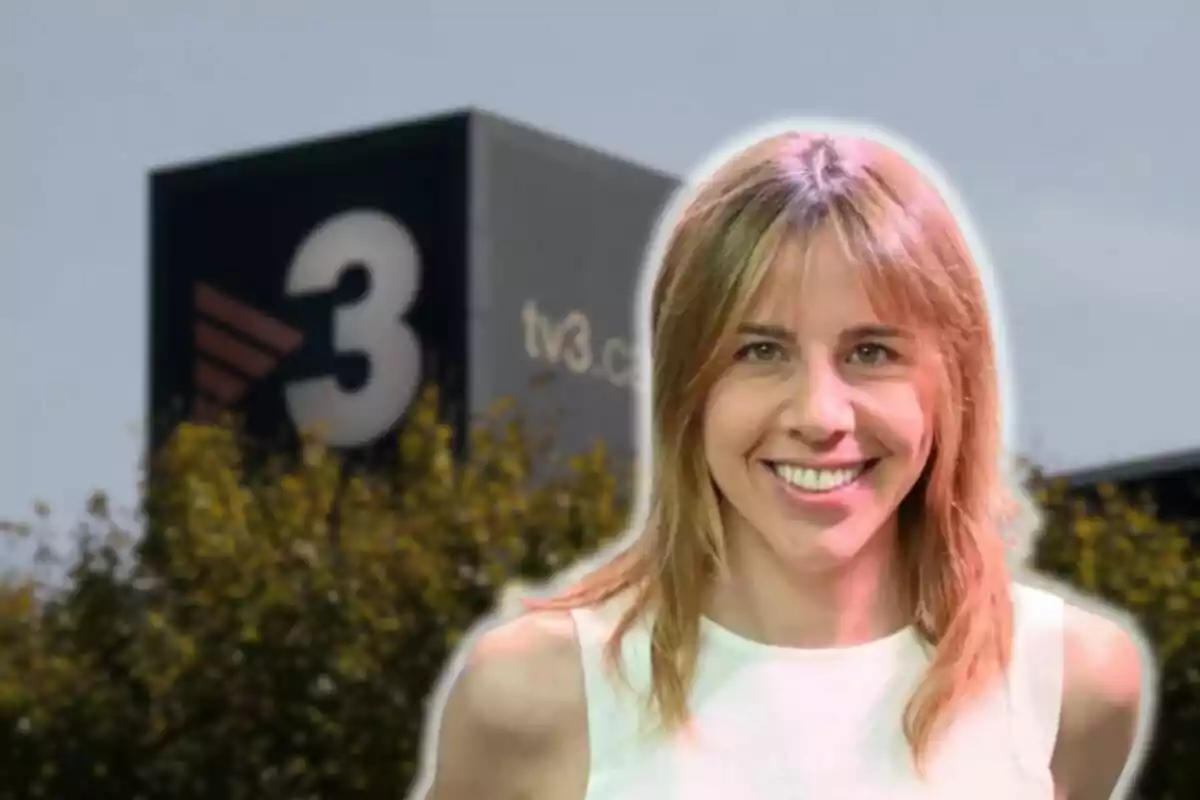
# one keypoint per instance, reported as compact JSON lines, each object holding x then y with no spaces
{"x":902,"y":235}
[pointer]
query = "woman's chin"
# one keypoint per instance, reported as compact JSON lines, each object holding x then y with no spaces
{"x":806,"y":546}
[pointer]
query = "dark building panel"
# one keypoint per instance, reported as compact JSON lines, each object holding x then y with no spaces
{"x":317,"y":284}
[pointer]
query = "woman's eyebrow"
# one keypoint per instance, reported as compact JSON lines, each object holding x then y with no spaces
{"x":876,"y":331}
{"x":769,"y":331}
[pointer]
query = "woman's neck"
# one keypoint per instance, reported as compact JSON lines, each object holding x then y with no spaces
{"x":768,"y":601}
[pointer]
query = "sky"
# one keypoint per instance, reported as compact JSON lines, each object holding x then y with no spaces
{"x":1068,"y":131}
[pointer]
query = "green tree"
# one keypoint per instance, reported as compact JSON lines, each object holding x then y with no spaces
{"x":281,"y":627}
{"x":278,"y":629}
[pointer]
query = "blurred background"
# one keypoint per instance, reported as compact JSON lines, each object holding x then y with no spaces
{"x":163,"y":166}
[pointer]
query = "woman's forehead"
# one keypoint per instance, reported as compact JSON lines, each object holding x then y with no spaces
{"x":815,"y":280}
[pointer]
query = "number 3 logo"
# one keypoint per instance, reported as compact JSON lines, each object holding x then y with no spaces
{"x":373,"y":326}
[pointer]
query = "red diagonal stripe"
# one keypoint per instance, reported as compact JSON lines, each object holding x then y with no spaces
{"x":212,"y":341}
{"x":253,"y":323}
{"x":224,"y":386}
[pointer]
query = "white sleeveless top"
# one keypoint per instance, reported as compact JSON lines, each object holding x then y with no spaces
{"x":773,"y":723}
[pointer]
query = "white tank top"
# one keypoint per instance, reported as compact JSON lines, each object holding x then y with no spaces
{"x":773,"y":723}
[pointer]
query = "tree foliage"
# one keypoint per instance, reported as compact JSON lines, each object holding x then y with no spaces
{"x":281,"y":628}
{"x":278,"y":629}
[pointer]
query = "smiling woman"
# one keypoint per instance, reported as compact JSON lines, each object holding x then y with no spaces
{"x":817,"y":601}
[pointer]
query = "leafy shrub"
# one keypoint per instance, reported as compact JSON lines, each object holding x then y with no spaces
{"x":281,"y":628}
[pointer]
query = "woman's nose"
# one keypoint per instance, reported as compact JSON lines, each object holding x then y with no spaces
{"x":819,"y":408}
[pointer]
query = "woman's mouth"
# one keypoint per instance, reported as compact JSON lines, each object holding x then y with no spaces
{"x":812,"y":480}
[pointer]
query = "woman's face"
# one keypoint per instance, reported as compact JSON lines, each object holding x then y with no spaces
{"x":822,"y":423}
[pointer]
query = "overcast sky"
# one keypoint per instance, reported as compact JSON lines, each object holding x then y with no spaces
{"x":1069,"y":133}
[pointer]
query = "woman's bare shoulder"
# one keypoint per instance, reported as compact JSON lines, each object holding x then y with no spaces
{"x":516,"y":705}
{"x":1108,"y":673}
{"x":525,"y":674}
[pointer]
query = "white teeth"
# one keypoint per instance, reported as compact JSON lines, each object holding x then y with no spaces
{"x":818,"y":480}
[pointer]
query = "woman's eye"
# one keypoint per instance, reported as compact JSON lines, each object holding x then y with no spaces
{"x":760,"y":351}
{"x":870,"y":354}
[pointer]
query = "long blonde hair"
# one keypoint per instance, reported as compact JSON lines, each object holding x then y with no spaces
{"x":900,"y":232}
